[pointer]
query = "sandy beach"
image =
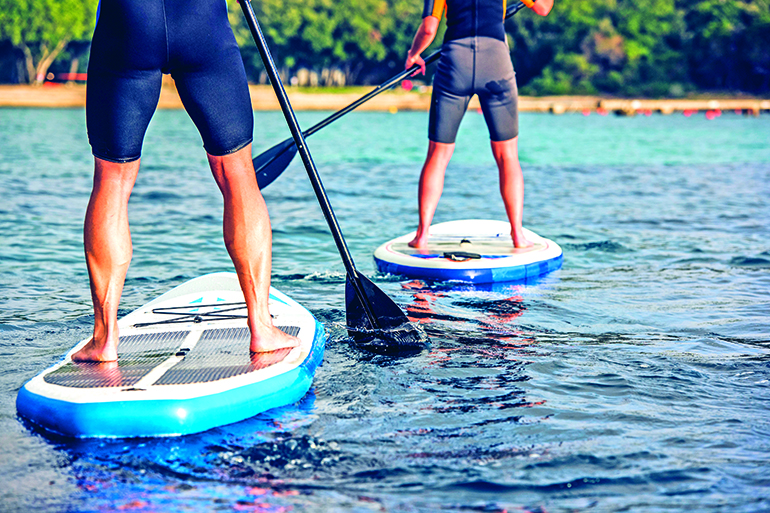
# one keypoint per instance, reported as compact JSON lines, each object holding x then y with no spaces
{"x":58,"y":95}
{"x":262,"y":98}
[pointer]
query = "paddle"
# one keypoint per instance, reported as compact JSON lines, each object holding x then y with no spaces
{"x":270,"y":164}
{"x":374,"y":321}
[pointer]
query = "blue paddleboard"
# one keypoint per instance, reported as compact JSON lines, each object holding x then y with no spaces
{"x":469,"y":251}
{"x":184,"y":366}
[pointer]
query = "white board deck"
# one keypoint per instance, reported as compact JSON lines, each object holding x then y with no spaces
{"x":469,"y":251}
{"x":184,"y":366}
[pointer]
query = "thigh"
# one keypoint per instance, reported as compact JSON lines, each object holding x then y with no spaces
{"x":452,"y":92}
{"x":124,"y":77}
{"x":118,"y":112}
{"x":497,"y":91}
{"x":208,"y":70}
{"x":217,"y":99}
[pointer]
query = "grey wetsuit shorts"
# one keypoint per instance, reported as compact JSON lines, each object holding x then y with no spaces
{"x":468,"y":66}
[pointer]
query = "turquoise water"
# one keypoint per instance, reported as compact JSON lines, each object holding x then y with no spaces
{"x":633,"y":379}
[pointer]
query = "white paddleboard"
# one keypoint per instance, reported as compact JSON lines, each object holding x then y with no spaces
{"x":469,"y":251}
{"x":184,"y":366}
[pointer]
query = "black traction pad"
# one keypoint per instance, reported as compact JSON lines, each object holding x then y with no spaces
{"x":137,"y":356}
{"x":221,"y":354}
{"x":218,"y":354}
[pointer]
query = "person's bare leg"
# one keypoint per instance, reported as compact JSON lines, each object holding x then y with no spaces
{"x":248,"y":239}
{"x":108,"y":249}
{"x":431,"y":186}
{"x":506,"y":155}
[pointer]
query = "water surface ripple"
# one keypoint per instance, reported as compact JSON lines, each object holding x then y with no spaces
{"x":635,"y":378}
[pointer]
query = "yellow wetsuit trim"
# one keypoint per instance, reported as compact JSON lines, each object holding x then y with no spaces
{"x":438,"y":8}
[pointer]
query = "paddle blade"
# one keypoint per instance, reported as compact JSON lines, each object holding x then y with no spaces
{"x":393,"y":334}
{"x":270,"y":164}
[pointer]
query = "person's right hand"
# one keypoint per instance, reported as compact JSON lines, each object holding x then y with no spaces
{"x":543,"y":7}
{"x":411,"y":60}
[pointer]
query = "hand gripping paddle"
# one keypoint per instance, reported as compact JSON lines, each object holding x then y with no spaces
{"x":374,"y":321}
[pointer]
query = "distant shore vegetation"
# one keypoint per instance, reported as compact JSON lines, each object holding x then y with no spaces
{"x":641,"y":48}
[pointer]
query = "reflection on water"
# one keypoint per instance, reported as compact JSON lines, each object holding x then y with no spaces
{"x":635,"y":378}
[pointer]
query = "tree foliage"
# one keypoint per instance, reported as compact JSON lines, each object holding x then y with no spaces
{"x":41,"y":29}
{"x":322,"y":34}
{"x":644,"y":47}
{"x":731,"y":49}
{"x":623,"y":47}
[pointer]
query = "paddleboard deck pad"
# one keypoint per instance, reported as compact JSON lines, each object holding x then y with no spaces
{"x":469,"y":251}
{"x":184,"y":366}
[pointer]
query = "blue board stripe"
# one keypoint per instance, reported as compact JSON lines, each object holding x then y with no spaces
{"x":139,"y":418}
{"x":501,"y":274}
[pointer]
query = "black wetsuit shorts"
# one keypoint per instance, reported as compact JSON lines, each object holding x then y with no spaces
{"x":134,"y":43}
{"x":474,"y":65}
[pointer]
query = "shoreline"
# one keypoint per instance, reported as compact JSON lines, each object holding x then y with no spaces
{"x":55,"y":95}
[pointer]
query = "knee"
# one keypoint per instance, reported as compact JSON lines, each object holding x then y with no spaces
{"x":115,"y":177}
{"x":506,"y":150}
{"x":233,"y":170}
{"x":440,"y":151}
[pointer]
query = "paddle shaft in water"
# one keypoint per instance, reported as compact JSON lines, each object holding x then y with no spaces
{"x":270,"y":164}
{"x":358,"y":282}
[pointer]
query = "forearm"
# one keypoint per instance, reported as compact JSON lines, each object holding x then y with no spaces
{"x":424,"y":36}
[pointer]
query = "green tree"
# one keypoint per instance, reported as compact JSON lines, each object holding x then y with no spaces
{"x":652,"y":33}
{"x":548,"y":52}
{"x":41,"y":29}
{"x":615,"y":46}
{"x":623,"y":47}
{"x":728,"y":47}
{"x":320,"y":34}
{"x":406,"y":16}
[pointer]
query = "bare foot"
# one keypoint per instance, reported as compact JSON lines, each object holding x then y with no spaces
{"x":520,"y":241}
{"x":271,"y":339}
{"x":263,"y":360}
{"x":419,"y":241}
{"x":97,"y":352}
{"x":106,"y":373}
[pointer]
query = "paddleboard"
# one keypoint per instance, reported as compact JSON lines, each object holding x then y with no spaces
{"x":469,"y":251}
{"x":184,"y":366}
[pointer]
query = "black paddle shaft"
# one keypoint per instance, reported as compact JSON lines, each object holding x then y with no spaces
{"x":307,"y":159}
